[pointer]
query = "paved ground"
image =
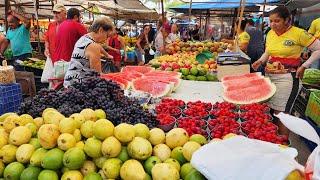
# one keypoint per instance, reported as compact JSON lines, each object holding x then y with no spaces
{"x":303,"y":150}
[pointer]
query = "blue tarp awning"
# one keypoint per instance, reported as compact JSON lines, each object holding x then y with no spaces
{"x":220,"y":4}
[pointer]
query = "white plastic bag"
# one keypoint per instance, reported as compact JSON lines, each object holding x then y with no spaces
{"x":47,"y":71}
{"x":303,"y":128}
{"x":60,"y":68}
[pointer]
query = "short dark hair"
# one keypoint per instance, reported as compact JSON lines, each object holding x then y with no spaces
{"x":243,"y":24}
{"x":250,"y":22}
{"x":72,"y":12}
{"x":281,"y":11}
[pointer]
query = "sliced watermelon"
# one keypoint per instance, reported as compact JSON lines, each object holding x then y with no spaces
{"x":253,"y":92}
{"x":176,"y":81}
{"x":163,"y":73}
{"x":241,"y":77}
{"x":244,"y":84}
{"x":123,"y":83}
{"x":140,"y":69}
{"x":155,"y":88}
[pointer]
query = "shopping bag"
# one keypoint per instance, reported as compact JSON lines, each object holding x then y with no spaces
{"x":60,"y":68}
{"x":47,"y":71}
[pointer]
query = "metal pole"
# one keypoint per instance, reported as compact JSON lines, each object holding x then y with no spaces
{"x":162,"y":11}
{"x":190,"y":10}
{"x":6,"y":10}
{"x":37,"y":20}
{"x":264,"y":8}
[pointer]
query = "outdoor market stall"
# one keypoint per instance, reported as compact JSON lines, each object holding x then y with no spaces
{"x":182,"y":116}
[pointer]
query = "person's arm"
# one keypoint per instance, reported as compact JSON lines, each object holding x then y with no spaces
{"x":315,"y":56}
{"x":262,"y":60}
{"x":312,"y":29}
{"x":229,"y":41}
{"x":104,"y":52}
{"x":93,"y":54}
{"x":24,"y":20}
{"x":138,"y":43}
{"x":123,"y":46}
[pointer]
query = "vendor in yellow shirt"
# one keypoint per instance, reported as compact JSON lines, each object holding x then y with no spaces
{"x":315,"y":28}
{"x":284,"y":44}
{"x":242,"y":39}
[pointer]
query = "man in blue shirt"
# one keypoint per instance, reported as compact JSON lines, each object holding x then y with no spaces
{"x":18,"y":36}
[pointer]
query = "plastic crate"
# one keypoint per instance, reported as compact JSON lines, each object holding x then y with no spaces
{"x":131,"y":56}
{"x":10,"y":98}
{"x":313,"y":107}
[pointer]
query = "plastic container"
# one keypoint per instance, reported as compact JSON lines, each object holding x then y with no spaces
{"x":167,"y":127}
{"x":10,"y":98}
{"x":313,"y":107}
{"x":131,"y":56}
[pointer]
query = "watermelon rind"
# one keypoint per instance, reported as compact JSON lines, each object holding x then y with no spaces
{"x":261,"y":100}
{"x":136,"y":69}
{"x":167,"y":90}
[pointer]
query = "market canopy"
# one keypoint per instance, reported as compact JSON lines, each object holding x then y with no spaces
{"x":220,"y":4}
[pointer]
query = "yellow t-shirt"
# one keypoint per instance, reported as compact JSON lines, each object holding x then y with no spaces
{"x":315,"y":28}
{"x":244,"y":37}
{"x":289,"y":44}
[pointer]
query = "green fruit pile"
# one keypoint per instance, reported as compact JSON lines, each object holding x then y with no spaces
{"x":196,"y":74}
{"x":88,"y":146}
{"x":34,"y":64}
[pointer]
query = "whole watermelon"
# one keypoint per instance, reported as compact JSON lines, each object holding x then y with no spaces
{"x":311,"y":76}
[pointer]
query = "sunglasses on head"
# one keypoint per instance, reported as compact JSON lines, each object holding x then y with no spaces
{"x":55,"y":12}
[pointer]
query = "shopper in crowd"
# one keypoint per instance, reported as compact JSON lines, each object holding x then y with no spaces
{"x":115,"y":44}
{"x":69,"y":32}
{"x":59,"y":15}
{"x":195,"y":33}
{"x":86,"y":56}
{"x":36,"y":34}
{"x":284,"y":45}
{"x":243,"y":37}
{"x":174,"y":34}
{"x":142,"y":44}
{"x":255,"y":47}
{"x":18,"y":36}
{"x":315,"y":31}
{"x":160,"y":42}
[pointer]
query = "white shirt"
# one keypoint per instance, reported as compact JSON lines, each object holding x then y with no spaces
{"x":173,"y":37}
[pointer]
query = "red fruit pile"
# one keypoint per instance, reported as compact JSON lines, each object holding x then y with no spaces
{"x":196,"y":111}
{"x":173,"y":102}
{"x":225,"y":105}
{"x":165,"y":119}
{"x":224,"y":113}
{"x":165,"y":109}
{"x":222,"y":126}
{"x":199,"y":104}
{"x":265,"y":131}
{"x":255,"y":107}
{"x":255,"y":115}
{"x":193,"y":125}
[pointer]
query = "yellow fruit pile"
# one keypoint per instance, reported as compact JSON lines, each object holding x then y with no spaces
{"x":87,"y":145}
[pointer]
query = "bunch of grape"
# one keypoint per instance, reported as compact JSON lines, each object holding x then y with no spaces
{"x":95,"y":93}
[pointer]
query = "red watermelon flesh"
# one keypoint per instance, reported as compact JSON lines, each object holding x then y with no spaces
{"x":163,"y":73}
{"x":155,"y":88}
{"x":140,"y":69}
{"x":240,"y":81}
{"x":244,"y":84}
{"x":252,"y":93}
{"x":168,"y":79}
{"x":241,"y":77}
{"x":123,"y":83}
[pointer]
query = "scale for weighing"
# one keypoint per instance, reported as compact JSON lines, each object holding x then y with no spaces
{"x":232,"y":63}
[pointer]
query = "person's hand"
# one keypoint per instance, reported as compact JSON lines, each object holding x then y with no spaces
{"x":110,"y":57}
{"x":300,"y":72}
{"x":46,"y":52}
{"x":256,"y":65}
{"x":305,"y":55}
{"x":125,"y":58}
{"x":223,"y":40}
